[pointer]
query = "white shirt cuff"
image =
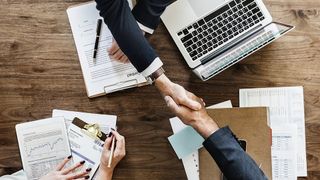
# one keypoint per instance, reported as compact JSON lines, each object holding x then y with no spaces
{"x":145,"y":28}
{"x":155,"y":65}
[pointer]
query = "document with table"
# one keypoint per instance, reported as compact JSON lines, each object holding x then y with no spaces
{"x":286,"y":107}
{"x":102,"y":75}
{"x":43,"y":145}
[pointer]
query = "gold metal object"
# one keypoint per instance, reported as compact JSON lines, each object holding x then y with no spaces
{"x":92,"y":130}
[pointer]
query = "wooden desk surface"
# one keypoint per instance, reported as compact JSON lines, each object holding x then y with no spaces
{"x":40,"y":71}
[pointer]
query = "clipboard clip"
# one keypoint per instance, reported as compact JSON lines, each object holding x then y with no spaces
{"x":128,"y":81}
{"x":92,"y":130}
{"x":121,"y":85}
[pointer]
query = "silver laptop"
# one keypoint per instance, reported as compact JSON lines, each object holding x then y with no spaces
{"x":212,"y":35}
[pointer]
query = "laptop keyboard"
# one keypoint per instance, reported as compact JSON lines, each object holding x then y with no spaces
{"x":220,"y":26}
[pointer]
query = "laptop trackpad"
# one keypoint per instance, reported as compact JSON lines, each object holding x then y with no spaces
{"x":202,"y":7}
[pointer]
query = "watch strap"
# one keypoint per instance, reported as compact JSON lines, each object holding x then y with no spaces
{"x":156,"y":74}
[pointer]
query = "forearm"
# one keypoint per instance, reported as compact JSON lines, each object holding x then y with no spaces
{"x":123,"y":26}
{"x":205,"y":126}
{"x":104,"y":174}
{"x":148,"y":12}
{"x":163,"y":84}
{"x":232,"y":160}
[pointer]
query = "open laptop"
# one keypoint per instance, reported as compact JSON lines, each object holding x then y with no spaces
{"x":212,"y":35}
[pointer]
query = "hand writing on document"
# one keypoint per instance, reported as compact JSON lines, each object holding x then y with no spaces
{"x":198,"y":119}
{"x":176,"y":92}
{"x":105,"y":172}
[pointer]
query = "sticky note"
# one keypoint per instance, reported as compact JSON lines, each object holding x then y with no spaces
{"x":186,"y":142}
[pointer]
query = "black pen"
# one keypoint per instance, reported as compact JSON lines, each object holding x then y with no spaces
{"x":96,"y":44}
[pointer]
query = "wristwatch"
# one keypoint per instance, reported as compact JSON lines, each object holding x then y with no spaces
{"x":156,"y":74}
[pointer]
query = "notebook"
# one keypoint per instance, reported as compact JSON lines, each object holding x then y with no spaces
{"x":249,"y":124}
{"x":103,"y":75}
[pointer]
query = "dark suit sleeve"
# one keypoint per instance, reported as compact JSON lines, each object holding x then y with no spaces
{"x":125,"y":30}
{"x":232,"y":160}
{"x":148,"y":12}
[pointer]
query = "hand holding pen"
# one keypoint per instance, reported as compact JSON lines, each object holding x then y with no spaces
{"x":113,"y":152}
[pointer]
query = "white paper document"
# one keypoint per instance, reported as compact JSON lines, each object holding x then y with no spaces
{"x":286,"y":106}
{"x":105,"y":121}
{"x":82,"y":146}
{"x":43,"y":145}
{"x":103,"y":75}
{"x":191,"y":162}
{"x":283,"y":150}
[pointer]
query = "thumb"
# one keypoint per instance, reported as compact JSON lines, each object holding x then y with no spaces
{"x":107,"y":143}
{"x":191,"y":103}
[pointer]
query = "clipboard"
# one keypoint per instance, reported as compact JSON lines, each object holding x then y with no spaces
{"x":102,"y":76}
{"x":86,"y":143}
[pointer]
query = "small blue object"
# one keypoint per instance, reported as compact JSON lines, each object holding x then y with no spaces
{"x":185,"y":142}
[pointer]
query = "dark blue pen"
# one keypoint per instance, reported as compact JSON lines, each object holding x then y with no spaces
{"x":96,"y":44}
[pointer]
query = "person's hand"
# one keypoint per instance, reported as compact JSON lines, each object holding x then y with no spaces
{"x":176,"y":92}
{"x":116,"y":53}
{"x":106,"y":172}
{"x":199,"y":120}
{"x":67,"y":173}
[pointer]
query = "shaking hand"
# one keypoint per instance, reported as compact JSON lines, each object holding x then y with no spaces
{"x":177,"y":93}
{"x":198,"y":119}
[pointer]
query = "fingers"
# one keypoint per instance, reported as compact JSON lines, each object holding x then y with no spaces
{"x":78,"y":175}
{"x":117,"y":55}
{"x":72,"y":168}
{"x":190,"y":103}
{"x":114,"y":48}
{"x":196,"y":98}
{"x":120,"y":145}
{"x":107,"y":143}
{"x":124,"y":59}
{"x":63,"y":163}
{"x":180,"y":111}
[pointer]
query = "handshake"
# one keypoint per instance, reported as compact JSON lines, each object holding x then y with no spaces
{"x":187,"y":106}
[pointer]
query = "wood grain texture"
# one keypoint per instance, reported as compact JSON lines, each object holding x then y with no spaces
{"x":40,"y":71}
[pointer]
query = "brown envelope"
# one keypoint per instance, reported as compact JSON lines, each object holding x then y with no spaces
{"x":249,"y":124}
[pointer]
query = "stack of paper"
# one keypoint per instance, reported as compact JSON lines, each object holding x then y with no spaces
{"x":45,"y":143}
{"x":287,"y":120}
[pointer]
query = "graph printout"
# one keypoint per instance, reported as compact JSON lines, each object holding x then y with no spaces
{"x":43,"y":144}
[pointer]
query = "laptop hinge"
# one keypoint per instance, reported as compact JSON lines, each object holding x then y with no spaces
{"x":230,"y":45}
